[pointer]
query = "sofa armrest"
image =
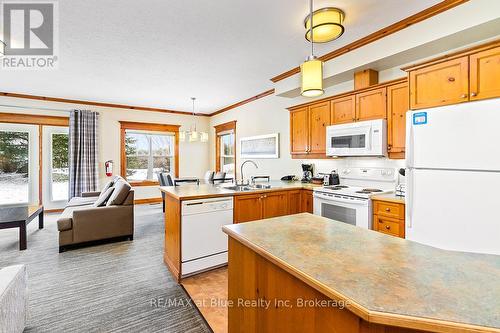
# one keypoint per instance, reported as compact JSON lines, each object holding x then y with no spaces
{"x":13,"y":298}
{"x":102,"y":222}
{"x":90,"y":194}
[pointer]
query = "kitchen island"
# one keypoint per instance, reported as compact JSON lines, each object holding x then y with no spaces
{"x":305,"y":273}
{"x":282,"y":198}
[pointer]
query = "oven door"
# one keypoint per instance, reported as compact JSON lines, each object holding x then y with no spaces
{"x":352,"y":140}
{"x":354,"y":211}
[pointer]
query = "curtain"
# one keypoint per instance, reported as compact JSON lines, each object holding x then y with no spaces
{"x":83,"y":159}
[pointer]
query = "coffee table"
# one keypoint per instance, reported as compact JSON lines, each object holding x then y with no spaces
{"x":20,"y":217}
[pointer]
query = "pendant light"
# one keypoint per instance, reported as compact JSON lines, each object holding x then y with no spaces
{"x":327,"y":24}
{"x":312,"y":68}
{"x":193,"y":135}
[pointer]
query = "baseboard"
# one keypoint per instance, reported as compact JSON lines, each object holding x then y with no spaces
{"x":147,"y":201}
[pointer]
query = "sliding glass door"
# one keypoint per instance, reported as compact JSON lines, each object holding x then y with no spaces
{"x":19,"y":164}
{"x":55,"y":166}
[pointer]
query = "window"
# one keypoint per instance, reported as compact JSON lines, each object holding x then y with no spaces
{"x":59,"y":168}
{"x":148,"y":149}
{"x":226,"y":148}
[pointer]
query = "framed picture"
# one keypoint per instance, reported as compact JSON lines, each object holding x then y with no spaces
{"x":261,"y":146}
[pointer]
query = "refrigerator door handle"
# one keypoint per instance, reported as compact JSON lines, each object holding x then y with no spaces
{"x":409,"y":140}
{"x":409,"y":197}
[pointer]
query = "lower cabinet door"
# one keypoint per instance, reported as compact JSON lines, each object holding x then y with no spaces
{"x":307,"y":201}
{"x":247,"y":208}
{"x":294,"y":202}
{"x":388,"y":226}
{"x":274,"y":204}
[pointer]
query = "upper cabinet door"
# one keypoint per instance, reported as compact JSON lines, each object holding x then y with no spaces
{"x":319,"y":118}
{"x":343,"y":110}
{"x":485,"y":74}
{"x":299,"y":131}
{"x":397,"y":105}
{"x":440,"y":84}
{"x":371,"y":105}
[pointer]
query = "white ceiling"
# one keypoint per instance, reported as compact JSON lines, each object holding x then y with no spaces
{"x":159,"y":53}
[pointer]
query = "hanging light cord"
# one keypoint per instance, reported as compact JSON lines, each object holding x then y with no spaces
{"x":311,"y":26}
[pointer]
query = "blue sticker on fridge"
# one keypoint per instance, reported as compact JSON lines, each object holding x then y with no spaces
{"x":420,"y":118}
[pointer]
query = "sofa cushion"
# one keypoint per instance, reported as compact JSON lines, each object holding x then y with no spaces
{"x":65,"y":221}
{"x":13,"y":298}
{"x":104,"y":197}
{"x":81,"y":201}
{"x":119,"y":194}
{"x":108,"y":185}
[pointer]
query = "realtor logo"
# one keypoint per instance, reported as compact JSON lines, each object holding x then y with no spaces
{"x":29,"y":33}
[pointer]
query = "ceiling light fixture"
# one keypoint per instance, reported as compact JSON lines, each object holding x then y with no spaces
{"x":327,"y":24}
{"x":312,"y":68}
{"x":193,"y":135}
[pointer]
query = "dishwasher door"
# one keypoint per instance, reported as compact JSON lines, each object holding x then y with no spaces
{"x":203,"y":243}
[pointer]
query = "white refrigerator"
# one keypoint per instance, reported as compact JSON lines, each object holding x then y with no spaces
{"x":453,"y":176}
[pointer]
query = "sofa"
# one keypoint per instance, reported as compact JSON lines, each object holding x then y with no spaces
{"x":13,"y":299}
{"x":96,"y":216}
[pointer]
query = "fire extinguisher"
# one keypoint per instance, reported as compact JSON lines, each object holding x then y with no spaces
{"x":109,"y":168}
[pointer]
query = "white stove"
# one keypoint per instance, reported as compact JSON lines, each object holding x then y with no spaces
{"x":349,"y":202}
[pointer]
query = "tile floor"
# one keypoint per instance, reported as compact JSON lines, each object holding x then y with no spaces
{"x":209,"y":292}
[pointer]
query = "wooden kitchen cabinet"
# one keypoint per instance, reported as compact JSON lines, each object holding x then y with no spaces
{"x":274,"y":204}
{"x":247,"y":208}
{"x":389,"y":217}
{"x":371,"y":105}
{"x":343,"y":110}
{"x":307,"y":201}
{"x":440,"y":84}
{"x":299,"y":131}
{"x":319,"y":118}
{"x":397,"y":106}
{"x":294,"y":202}
{"x":485,"y":74}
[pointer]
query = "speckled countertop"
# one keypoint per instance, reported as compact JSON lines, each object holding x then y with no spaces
{"x":381,"y":276}
{"x":187,"y":192}
{"x":391,"y":197}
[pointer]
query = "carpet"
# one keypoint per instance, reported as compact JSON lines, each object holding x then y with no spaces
{"x":116,"y":287}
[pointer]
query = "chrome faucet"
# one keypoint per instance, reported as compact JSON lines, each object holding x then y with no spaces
{"x":241,"y":169}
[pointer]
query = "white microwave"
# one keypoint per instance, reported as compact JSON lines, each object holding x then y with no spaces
{"x":363,"y":138}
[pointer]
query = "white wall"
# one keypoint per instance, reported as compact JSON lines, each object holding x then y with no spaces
{"x":193,"y":157}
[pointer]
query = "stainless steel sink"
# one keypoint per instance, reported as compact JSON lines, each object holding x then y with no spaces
{"x":244,"y":188}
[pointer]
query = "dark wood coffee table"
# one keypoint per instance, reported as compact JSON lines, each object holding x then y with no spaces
{"x":20,"y":217}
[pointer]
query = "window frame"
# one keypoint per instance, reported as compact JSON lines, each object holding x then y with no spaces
{"x":128,"y":125}
{"x":219,"y":131}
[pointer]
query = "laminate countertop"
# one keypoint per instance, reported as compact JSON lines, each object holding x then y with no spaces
{"x":188,"y":191}
{"x":385,"y":279}
{"x":391,"y":197}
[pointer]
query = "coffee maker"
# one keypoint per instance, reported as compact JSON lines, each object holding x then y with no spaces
{"x":307,"y":173}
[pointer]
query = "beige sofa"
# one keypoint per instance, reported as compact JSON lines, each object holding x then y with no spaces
{"x":13,"y":299}
{"x":92,"y":218}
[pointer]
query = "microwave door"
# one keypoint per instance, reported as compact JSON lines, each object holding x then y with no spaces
{"x":352,"y":141}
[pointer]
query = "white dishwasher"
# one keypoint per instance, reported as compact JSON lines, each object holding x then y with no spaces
{"x":203,"y":243}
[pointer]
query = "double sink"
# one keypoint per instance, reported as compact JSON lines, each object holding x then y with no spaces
{"x":245,"y":188}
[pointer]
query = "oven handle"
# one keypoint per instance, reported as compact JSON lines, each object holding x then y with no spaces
{"x":336,"y":199}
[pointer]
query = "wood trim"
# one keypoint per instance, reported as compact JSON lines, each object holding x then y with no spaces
{"x":389,"y":30}
{"x":348,"y":93}
{"x":125,"y":125}
{"x":230,"y":125}
{"x":147,"y":201}
{"x":454,"y":55}
{"x":19,"y":118}
{"x":243,"y":102}
{"x":58,"y":210}
{"x":100,"y":104}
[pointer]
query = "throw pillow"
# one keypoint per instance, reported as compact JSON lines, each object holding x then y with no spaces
{"x":108,"y":185}
{"x":104,"y":197}
{"x":119,"y":194}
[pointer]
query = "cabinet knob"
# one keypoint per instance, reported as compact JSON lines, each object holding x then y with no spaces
{"x":387,"y":209}
{"x":473,"y":94}
{"x":451,"y":79}
{"x":388,"y":227}
{"x":463,"y":96}
{"x":389,"y":147}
